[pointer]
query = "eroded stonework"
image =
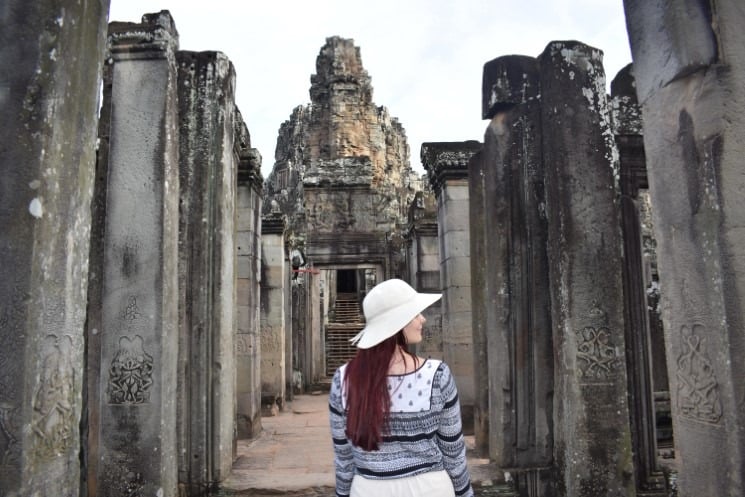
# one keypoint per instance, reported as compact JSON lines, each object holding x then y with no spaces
{"x":341,"y":139}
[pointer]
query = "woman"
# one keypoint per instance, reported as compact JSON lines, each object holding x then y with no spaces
{"x":395,"y":417}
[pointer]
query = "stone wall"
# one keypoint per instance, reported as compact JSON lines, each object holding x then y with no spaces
{"x":688,"y":62}
{"x":49,"y":94}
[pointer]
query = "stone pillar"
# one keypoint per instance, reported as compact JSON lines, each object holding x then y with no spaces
{"x":446,"y":164}
{"x":248,"y":338}
{"x":482,"y":377}
{"x":298,"y":359}
{"x":133,"y":311}
{"x":689,"y":65}
{"x":208,"y":166}
{"x":290,"y":333}
{"x":274,"y":285}
{"x":592,"y":441}
{"x":423,"y":263}
{"x":49,"y":100}
{"x":516,"y":339}
{"x":627,"y":129}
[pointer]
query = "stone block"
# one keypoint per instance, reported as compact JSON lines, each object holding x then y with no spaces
{"x":245,"y":243}
{"x":456,"y":272}
{"x":244,"y":269}
{"x":459,"y":327}
{"x":453,"y":191}
{"x":507,"y":82}
{"x":456,"y":246}
{"x":669,"y":40}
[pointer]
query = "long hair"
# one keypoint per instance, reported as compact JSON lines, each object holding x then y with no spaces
{"x":366,"y":387}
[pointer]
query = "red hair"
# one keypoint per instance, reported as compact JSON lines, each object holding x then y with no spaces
{"x":366,"y":387}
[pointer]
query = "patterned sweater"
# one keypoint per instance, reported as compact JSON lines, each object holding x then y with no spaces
{"x":425,"y":431}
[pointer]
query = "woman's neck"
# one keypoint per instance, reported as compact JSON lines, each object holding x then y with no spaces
{"x":402,"y":362}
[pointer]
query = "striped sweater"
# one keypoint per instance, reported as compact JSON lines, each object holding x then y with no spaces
{"x":425,"y":432}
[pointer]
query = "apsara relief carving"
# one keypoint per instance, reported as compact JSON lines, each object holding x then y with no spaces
{"x":53,"y":416}
{"x":131,"y":370}
{"x":697,"y":386}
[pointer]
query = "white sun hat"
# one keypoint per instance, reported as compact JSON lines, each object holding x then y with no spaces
{"x":388,"y":307}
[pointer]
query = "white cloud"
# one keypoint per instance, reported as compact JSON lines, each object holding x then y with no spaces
{"x":425,"y":57}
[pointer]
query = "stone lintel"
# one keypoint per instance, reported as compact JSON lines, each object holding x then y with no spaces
{"x":273,"y":224}
{"x":155,"y":35}
{"x":508,"y":81}
{"x":345,"y":171}
{"x":447,"y":161}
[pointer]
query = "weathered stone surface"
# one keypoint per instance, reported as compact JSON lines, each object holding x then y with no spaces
{"x":275,"y":284}
{"x":48,"y":94}
{"x":248,"y":337}
{"x":208,"y":163}
{"x":423,"y":263}
{"x":671,"y":39}
{"x":694,"y":116}
{"x":447,"y":167}
{"x":507,"y":82}
{"x":342,"y":178}
{"x":510,"y":287}
{"x":627,"y":128}
{"x":133,"y":316}
{"x":592,"y":443}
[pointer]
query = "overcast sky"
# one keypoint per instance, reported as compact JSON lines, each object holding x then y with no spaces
{"x":425,"y":57}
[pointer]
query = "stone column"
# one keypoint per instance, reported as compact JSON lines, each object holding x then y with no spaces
{"x":689,"y":64}
{"x":513,"y":271}
{"x":446,"y":164}
{"x":274,"y":285}
{"x":49,"y":98}
{"x":314,"y":353}
{"x":424,"y":267}
{"x":133,"y":312}
{"x":482,"y":379}
{"x":248,"y":339}
{"x":592,"y":442}
{"x":206,"y":96}
{"x":627,"y":129}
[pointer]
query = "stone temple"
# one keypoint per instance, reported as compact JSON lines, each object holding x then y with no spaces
{"x":159,"y":296}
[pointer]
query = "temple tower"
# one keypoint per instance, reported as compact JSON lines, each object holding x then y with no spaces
{"x":342,"y":177}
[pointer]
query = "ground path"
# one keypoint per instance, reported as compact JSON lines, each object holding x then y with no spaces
{"x":293,"y":456}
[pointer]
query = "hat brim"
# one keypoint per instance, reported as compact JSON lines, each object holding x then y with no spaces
{"x":392,"y":321}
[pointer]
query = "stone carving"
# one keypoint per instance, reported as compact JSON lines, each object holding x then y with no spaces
{"x":242,"y":344}
{"x":10,"y":456}
{"x":131,"y":373}
{"x":53,"y":418}
{"x":698,"y":389}
{"x":596,"y":354}
{"x":131,"y":312}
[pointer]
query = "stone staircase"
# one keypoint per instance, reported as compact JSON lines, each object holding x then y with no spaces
{"x":345,"y":321}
